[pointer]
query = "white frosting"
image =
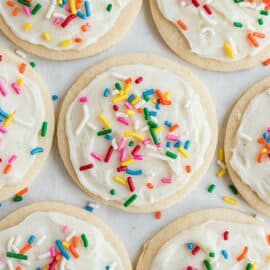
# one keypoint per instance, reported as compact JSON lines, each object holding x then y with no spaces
{"x":253,"y":124}
{"x":24,"y":130}
{"x":47,"y":227}
{"x":82,"y":124}
{"x":210,"y":238}
{"x":100,"y":22}
{"x":207,"y":34}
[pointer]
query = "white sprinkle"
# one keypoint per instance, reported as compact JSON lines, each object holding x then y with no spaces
{"x":15,"y":248}
{"x":232,"y":43}
{"x":114,"y":144}
{"x":20,"y":53}
{"x":63,"y":264}
{"x":10,"y":265}
{"x":119,"y":76}
{"x":245,"y":137}
{"x":84,"y":120}
{"x":68,"y":238}
{"x":45,"y":255}
{"x":10,"y":243}
{"x":152,"y":147}
{"x":51,"y":10}
{"x":92,"y":126}
{"x":22,"y":122}
{"x":115,"y":92}
{"x":59,"y":15}
{"x":41,"y":240}
{"x":18,"y":240}
{"x":140,"y":104}
{"x":136,"y":124}
{"x":154,"y":119}
{"x":28,"y":263}
{"x":121,"y":114}
{"x":157,"y":156}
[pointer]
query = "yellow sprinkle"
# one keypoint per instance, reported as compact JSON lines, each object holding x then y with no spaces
{"x":130,"y":112}
{"x":46,"y":36}
{"x":254,"y":266}
{"x":20,"y":82}
{"x":120,"y":180}
{"x":134,"y":135}
{"x":127,"y":88}
{"x":135,"y":100}
{"x":65,"y":244}
{"x":230,"y":200}
{"x":183,"y":152}
{"x":220,"y":154}
{"x":158,"y":129}
{"x":105,"y":121}
{"x":27,"y":26}
{"x":59,"y":2}
{"x":72,"y":5}
{"x":119,"y":98}
{"x":66,"y":43}
{"x":167,"y":95}
{"x":221,"y":172}
{"x":229,"y":49}
{"x":8,"y":121}
{"x":127,"y":162}
{"x":154,"y":100}
{"x":264,"y":150}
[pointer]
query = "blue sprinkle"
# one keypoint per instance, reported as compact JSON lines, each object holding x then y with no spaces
{"x":268,"y":140}
{"x":153,"y":113}
{"x":148,"y":92}
{"x":107,"y":267}
{"x":130,"y":98}
{"x":3,"y":113}
{"x":158,"y":106}
{"x":31,"y":239}
{"x":55,"y":97}
{"x":81,"y":15}
{"x":106,"y":92}
{"x":190,"y":246}
{"x":38,"y":268}
{"x":108,"y":137}
{"x":187,"y":144}
{"x":178,"y":144}
{"x":37,"y":150}
{"x":89,"y":208}
{"x":265,"y":135}
{"x":134,"y":172}
{"x":87,"y":8}
{"x":168,"y":144}
{"x":168,"y":123}
{"x":62,"y":249}
{"x":225,"y":254}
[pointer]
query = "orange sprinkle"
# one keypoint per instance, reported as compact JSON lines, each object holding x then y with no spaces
{"x":188,"y":168}
{"x":15,"y":11}
{"x":243,"y":254}
{"x":75,"y":241}
{"x":74,"y":252}
{"x":173,"y":128}
{"x":128,"y":80}
{"x":261,"y":141}
{"x":259,"y":34}
{"x":140,"y":110}
{"x":84,"y":28}
{"x":78,"y":40}
{"x":18,"y":268}
{"x":22,"y":67}
{"x":58,"y":257}
{"x":268,"y":239}
{"x":268,"y":146}
{"x":7,"y":169}
{"x":182,"y":25}
{"x":252,"y":40}
{"x":158,"y":215}
{"x":260,"y":157}
{"x":22,"y":192}
{"x":25,"y":248}
{"x":266,"y":62}
{"x":10,"y":3}
{"x":150,"y":185}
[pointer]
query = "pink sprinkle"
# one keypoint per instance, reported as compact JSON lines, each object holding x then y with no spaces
{"x":16,"y":88}
{"x":53,"y":251}
{"x":83,"y":99}
{"x":172,"y":137}
{"x":2,"y":89}
{"x":3,"y":130}
{"x":66,"y":229}
{"x":268,"y":129}
{"x":26,"y":11}
{"x":159,"y":145}
{"x":122,"y":143}
{"x":56,"y":21}
{"x":12,"y":159}
{"x":147,"y":141}
{"x":166,"y":180}
{"x":123,"y":154}
{"x":96,"y":156}
{"x":128,"y":105}
{"x":123,"y":120}
{"x":138,"y":157}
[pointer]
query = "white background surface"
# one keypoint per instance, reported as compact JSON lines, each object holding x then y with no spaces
{"x":134,"y":230}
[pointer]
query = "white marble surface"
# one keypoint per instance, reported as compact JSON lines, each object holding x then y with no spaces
{"x":53,"y":183}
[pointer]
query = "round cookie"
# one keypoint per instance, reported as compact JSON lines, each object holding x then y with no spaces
{"x":59,"y":32}
{"x":237,"y":43}
{"x":243,"y":146}
{"x":50,"y":234}
{"x":26,"y":124}
{"x":141,"y":148}
{"x":209,"y":239}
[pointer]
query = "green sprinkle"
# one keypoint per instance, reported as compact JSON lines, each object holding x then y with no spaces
{"x":25,"y":3}
{"x":36,"y":9}
{"x":16,"y":256}
{"x":109,"y":7}
{"x":112,"y":191}
{"x":154,"y":135}
{"x":104,"y":132}
{"x":264,"y":12}
{"x":207,"y":265}
{"x":146,"y":114}
{"x":131,"y":143}
{"x":131,"y":199}
{"x":260,"y":21}
{"x":238,"y":1}
{"x":44,"y":129}
{"x":171,"y":155}
{"x":17,"y":198}
{"x":33,"y":64}
{"x":85,"y":240}
{"x":238,"y":24}
{"x":211,"y":188}
{"x":249,"y":266}
{"x":233,"y":189}
{"x":212,"y":254}
{"x":146,"y":98}
{"x":118,"y":86}
{"x":152,"y":124}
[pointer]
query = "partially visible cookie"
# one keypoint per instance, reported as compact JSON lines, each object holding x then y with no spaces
{"x":51,"y":235}
{"x":215,"y":35}
{"x":66,"y":30}
{"x":210,"y":239}
{"x":137,"y":132}
{"x":26,"y":124}
{"x":247,"y":144}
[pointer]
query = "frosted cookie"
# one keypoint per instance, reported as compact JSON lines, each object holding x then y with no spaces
{"x":59,"y":236}
{"x":67,"y":29}
{"x":26,"y":124}
{"x":209,"y":240}
{"x":216,"y":35}
{"x":247,"y":146}
{"x":137,"y":132}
